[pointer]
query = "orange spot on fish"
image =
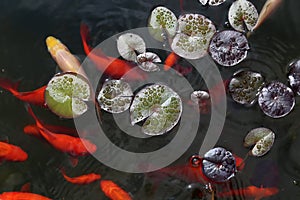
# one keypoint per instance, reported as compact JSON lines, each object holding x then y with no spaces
{"x":171,"y":60}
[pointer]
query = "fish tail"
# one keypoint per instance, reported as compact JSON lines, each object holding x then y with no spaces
{"x":37,"y":121}
{"x":9,"y":85}
{"x":84,"y":33}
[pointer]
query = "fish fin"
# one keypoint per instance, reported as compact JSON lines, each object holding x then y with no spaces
{"x":26,"y":187}
{"x":4,"y":138}
{"x":74,"y":161}
{"x":84,"y":33}
{"x":9,"y":85}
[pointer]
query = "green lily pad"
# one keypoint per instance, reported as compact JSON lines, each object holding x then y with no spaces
{"x":66,"y":94}
{"x":115,"y":96}
{"x":160,"y":105}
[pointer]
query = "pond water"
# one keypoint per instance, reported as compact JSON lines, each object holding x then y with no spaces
{"x":24,"y":57}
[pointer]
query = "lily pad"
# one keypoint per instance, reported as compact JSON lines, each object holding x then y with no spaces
{"x":160,"y":105}
{"x":276,"y":100}
{"x":129,"y":44}
{"x":212,"y":2}
{"x":294,"y":76}
{"x":262,"y":139}
{"x":228,"y":47}
{"x":194,"y":34}
{"x":162,"y":23}
{"x":242,"y":15}
{"x":66,"y":94}
{"x":146,"y":61}
{"x":219,"y":164}
{"x":115,"y":96}
{"x":244,"y":86}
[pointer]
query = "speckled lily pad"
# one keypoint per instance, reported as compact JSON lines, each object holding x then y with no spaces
{"x":219,"y":164}
{"x":242,"y":15}
{"x":244,"y":86}
{"x":294,"y":76}
{"x":212,"y":2}
{"x":276,"y":100}
{"x":146,"y":61}
{"x":115,"y":96}
{"x":162,"y":23}
{"x":129,"y":44}
{"x":262,"y":139}
{"x":194,"y":34}
{"x":160,"y":105}
{"x":228,"y":47}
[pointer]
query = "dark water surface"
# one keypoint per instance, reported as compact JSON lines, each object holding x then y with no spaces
{"x":25,"y":24}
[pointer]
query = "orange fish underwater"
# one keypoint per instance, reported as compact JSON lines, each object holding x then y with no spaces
{"x":36,"y":97}
{"x":9,"y":152}
{"x":113,"y":191}
{"x":21,"y":196}
{"x":72,"y":145}
{"x":171,"y":60}
{"x":114,"y":67}
{"x":83,"y":179}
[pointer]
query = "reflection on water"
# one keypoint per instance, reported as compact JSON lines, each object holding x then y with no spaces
{"x":24,"y":27}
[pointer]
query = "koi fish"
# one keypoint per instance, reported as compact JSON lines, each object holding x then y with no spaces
{"x":113,"y":191}
{"x":72,"y":145}
{"x":32,"y":129}
{"x":83,"y":179}
{"x":9,"y":152}
{"x":35,"y":97}
{"x":114,"y":67}
{"x":269,"y":7}
{"x":21,"y":196}
{"x":250,"y":192}
{"x":63,"y":57}
{"x":171,"y":60}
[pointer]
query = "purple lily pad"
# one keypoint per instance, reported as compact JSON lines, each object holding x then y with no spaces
{"x":219,"y":164}
{"x":276,"y":100}
{"x":228,"y":47}
{"x":294,"y":76}
{"x":244,"y":86}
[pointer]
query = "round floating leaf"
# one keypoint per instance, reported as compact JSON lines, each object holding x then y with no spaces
{"x":242,"y":14}
{"x":146,"y":61}
{"x":276,"y":100}
{"x":65,"y":94}
{"x":195,"y":32}
{"x":262,"y":138}
{"x":244,"y":86}
{"x":128,"y":44}
{"x":294,"y":76}
{"x":199,"y":96}
{"x":212,"y":2}
{"x":162,"y":23}
{"x":228,"y":47}
{"x":115,"y":96}
{"x":219,"y":164}
{"x":160,"y":105}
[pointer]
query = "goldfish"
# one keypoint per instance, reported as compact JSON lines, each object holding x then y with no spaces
{"x":35,"y":97}
{"x":171,"y":60}
{"x":114,"y":67}
{"x":113,"y":191}
{"x":9,"y":152}
{"x":21,"y":196}
{"x":72,"y":145}
{"x":63,"y":57}
{"x":32,"y":129}
{"x":83,"y":179}
{"x":251,"y":192}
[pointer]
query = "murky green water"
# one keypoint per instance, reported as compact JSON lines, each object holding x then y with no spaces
{"x":24,"y":25}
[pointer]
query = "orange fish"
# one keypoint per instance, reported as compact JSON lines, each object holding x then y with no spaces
{"x":33,"y":97}
{"x":9,"y":152}
{"x":21,"y":196}
{"x":113,"y":191}
{"x":72,"y":145}
{"x":114,"y":67}
{"x":32,"y":129}
{"x":171,"y":60}
{"x":83,"y":179}
{"x":250,"y":192}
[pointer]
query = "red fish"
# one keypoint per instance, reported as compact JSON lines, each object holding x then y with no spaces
{"x":21,"y":196}
{"x":250,"y":192}
{"x":182,"y":70}
{"x":171,"y":60}
{"x":72,"y":145}
{"x":113,"y":191}
{"x":9,"y":152}
{"x":33,"y":97}
{"x":114,"y":67}
{"x":83,"y":179}
{"x":32,"y":129}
